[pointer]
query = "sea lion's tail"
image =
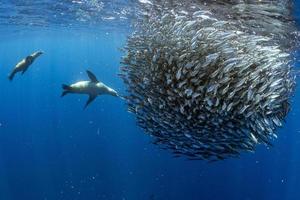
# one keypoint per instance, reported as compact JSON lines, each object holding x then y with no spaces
{"x":67,"y":89}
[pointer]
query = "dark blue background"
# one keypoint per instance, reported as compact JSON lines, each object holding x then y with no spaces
{"x":51,"y":149}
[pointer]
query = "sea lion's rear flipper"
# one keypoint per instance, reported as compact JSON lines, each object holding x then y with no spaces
{"x":90,"y":100}
{"x":67,"y":89}
{"x":92,"y":76}
{"x":12,"y":75}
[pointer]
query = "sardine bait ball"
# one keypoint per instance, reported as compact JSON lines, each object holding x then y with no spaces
{"x":206,"y":86}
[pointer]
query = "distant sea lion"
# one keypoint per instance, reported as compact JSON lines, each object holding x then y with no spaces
{"x":24,"y":64}
{"x":93,"y":88}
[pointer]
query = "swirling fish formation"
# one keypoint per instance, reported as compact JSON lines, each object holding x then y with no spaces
{"x":204,"y":86}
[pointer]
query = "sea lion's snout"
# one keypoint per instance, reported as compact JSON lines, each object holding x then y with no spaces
{"x":37,"y":54}
{"x":113,"y":92}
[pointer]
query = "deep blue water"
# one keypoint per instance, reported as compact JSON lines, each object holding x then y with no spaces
{"x":51,"y":149}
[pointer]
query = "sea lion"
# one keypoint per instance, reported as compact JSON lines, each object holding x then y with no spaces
{"x":24,"y":64}
{"x":93,"y":88}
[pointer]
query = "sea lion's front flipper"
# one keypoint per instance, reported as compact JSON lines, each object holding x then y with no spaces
{"x":29,"y":60}
{"x":90,"y":100}
{"x":24,"y":70}
{"x":92,"y":76}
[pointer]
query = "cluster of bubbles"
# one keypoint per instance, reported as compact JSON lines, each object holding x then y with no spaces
{"x":211,"y":79}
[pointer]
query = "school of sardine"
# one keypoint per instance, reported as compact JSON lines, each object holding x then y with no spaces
{"x":208,"y":86}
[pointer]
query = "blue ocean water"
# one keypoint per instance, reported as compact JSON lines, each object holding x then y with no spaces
{"x":51,"y":149}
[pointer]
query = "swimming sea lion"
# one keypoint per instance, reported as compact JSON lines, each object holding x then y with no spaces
{"x":24,"y":64}
{"x":93,"y":88}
